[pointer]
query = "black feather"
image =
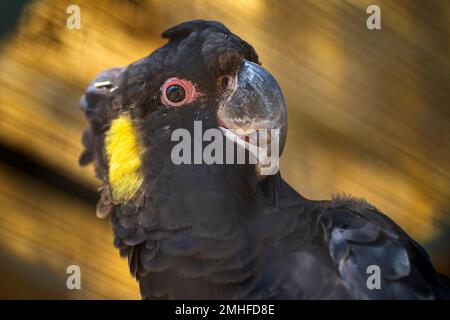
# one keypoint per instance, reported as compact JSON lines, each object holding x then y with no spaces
{"x":213,"y":231}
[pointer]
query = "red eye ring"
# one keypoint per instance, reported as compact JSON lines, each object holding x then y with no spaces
{"x":190,"y":92}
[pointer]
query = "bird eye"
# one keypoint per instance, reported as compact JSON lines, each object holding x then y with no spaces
{"x":177,"y":92}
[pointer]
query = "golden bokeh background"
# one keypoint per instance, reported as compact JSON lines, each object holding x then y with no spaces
{"x":368,"y":115}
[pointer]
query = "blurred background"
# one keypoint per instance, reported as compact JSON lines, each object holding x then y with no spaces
{"x":368,"y":115}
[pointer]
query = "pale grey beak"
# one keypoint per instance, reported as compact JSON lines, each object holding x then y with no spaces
{"x":253,"y":106}
{"x":255,"y":103}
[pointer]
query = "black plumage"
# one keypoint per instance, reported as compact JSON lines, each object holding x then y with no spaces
{"x":218,"y":231}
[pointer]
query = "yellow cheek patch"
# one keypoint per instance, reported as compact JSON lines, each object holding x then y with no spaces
{"x":123,"y":151}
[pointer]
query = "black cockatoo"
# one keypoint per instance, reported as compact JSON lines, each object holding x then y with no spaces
{"x":223,"y":230}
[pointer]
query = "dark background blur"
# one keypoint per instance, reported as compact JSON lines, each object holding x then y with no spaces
{"x":368,"y":111}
